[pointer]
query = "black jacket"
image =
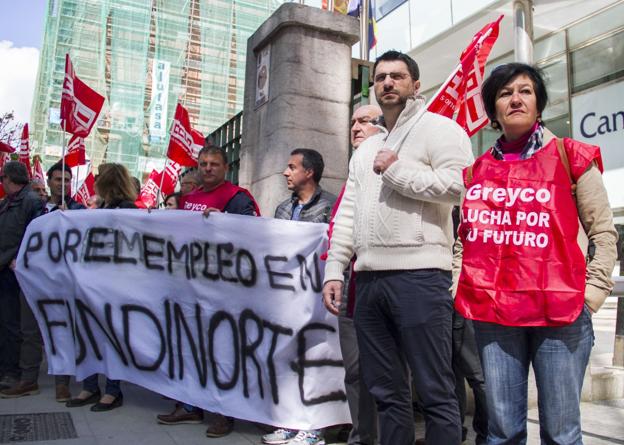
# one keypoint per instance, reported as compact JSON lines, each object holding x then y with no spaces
{"x":120,"y":204}
{"x":318,"y":209}
{"x":16,"y":212}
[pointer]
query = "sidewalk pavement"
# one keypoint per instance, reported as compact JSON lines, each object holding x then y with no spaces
{"x":135,"y":422}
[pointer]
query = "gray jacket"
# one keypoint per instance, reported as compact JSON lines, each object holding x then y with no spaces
{"x":318,"y":209}
{"x":16,"y":212}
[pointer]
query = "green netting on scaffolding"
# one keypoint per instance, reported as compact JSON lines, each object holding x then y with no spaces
{"x":144,"y":56}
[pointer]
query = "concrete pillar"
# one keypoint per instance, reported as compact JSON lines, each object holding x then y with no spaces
{"x":297,"y":94}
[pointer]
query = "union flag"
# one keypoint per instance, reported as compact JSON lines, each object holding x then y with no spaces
{"x":184,"y":141}
{"x":38,"y":169}
{"x":76,"y":152}
{"x":24,"y":151}
{"x":149,"y":192}
{"x":459,"y":98}
{"x":80,"y":105}
{"x":86,"y":190}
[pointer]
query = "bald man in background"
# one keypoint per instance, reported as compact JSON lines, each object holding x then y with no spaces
{"x":363,"y":124}
{"x":361,"y":402}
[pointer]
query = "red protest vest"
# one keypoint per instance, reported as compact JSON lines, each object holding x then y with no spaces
{"x":199,"y":200}
{"x":522,"y":265}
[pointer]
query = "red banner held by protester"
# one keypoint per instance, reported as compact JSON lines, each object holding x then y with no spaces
{"x":459,"y":98}
{"x":76,"y":152}
{"x":149,"y":191}
{"x":24,"y":152}
{"x":38,"y":169}
{"x":4,"y":157}
{"x":170,"y":177}
{"x":86,"y":190}
{"x":6,"y":148}
{"x":80,"y":105}
{"x":184,"y":142}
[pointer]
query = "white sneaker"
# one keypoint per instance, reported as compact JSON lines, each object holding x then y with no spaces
{"x":279,"y":436}
{"x":307,"y":438}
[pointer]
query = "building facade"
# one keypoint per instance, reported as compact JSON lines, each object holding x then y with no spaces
{"x":144,"y":56}
{"x":578,"y":44}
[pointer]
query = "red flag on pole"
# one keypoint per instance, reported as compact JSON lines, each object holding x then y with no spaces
{"x":80,"y":105}
{"x":3,"y":158}
{"x":75,"y":152}
{"x":38,"y":169}
{"x":459,"y":98}
{"x":170,"y":177}
{"x":6,"y":148}
{"x":184,"y":142}
{"x":149,"y":191}
{"x":86,"y":190}
{"x":24,"y":153}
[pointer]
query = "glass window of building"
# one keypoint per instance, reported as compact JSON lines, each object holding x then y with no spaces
{"x":428,"y":20}
{"x":598,"y":62}
{"x":555,"y":73}
{"x":385,"y":7}
{"x":465,"y":8}
{"x":394,"y":31}
{"x":609,"y":20}
{"x":549,"y":46}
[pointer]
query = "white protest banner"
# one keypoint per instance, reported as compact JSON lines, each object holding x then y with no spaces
{"x":221,"y":312}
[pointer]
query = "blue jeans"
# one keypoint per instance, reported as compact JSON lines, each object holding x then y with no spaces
{"x":559,"y":356}
{"x":112,"y":388}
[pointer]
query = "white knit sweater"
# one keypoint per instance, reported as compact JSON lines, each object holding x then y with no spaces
{"x":401,"y":220}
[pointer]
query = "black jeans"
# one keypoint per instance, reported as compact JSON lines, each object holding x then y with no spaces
{"x":467,"y":365}
{"x":405,"y":317}
{"x":10,"y":337}
{"x":361,"y":403}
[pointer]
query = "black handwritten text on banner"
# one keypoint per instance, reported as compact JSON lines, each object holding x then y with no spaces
{"x":221,"y":312}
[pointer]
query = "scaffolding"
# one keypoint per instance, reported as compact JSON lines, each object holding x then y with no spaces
{"x":144,"y":56}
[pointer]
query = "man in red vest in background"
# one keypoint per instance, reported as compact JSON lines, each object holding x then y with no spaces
{"x":215,"y":194}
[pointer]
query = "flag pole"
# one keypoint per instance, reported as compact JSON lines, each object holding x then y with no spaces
{"x":63,"y":170}
{"x":162,"y":178}
{"x":364,"y":18}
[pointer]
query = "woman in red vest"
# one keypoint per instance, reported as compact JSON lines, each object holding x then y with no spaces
{"x":522,"y":265}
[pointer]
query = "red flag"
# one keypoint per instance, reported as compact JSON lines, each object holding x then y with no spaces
{"x":24,"y":152}
{"x":86,"y":190}
{"x":37,"y":169}
{"x":80,"y":105}
{"x":170,"y":177}
{"x":460,"y":96}
{"x":75,"y":152}
{"x":3,"y":158}
{"x":6,"y":148}
{"x":149,"y":191}
{"x":184,"y":142}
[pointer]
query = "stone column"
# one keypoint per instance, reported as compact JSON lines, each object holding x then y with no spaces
{"x":300,"y":98}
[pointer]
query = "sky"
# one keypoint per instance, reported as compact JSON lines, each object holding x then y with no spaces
{"x":21,"y":35}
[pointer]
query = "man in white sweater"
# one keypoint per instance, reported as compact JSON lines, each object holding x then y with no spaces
{"x":395,"y":216}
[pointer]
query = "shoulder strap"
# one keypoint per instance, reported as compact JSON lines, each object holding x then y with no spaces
{"x":469,"y":174}
{"x":566,"y":163}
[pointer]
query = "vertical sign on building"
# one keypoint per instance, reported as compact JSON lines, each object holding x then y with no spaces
{"x":160,"y":93}
{"x":263,"y":63}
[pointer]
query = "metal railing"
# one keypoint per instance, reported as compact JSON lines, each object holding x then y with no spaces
{"x":229,"y":136}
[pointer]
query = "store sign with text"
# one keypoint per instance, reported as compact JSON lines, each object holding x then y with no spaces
{"x":598,"y":119}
